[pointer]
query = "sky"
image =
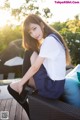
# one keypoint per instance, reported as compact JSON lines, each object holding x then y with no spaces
{"x":62,"y":12}
{"x":60,"y":9}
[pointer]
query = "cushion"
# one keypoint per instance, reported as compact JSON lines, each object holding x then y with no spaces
{"x":72,"y":92}
{"x":72,"y":87}
{"x":73,"y":73}
{"x":78,"y":75}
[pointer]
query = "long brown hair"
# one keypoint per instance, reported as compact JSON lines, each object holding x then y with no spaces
{"x":33,"y":44}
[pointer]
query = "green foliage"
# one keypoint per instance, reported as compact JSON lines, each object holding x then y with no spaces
{"x":70,"y":30}
{"x":58,"y":25}
{"x":10,"y":33}
{"x":30,"y":6}
{"x":7,"y":34}
{"x":47,"y":12}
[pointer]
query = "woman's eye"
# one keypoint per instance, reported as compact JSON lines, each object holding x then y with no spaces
{"x":34,"y":28}
{"x":30,"y":32}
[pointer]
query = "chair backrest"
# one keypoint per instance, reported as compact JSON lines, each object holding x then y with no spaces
{"x":11,"y":76}
{"x":1,"y":76}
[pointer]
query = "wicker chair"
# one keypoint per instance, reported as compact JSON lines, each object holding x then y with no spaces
{"x":47,"y":109}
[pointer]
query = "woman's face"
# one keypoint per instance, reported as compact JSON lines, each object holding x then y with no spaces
{"x":35,"y":31}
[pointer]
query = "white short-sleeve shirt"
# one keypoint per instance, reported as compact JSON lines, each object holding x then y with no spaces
{"x":55,"y":60}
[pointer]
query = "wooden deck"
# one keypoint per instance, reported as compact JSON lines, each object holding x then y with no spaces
{"x":7,"y":103}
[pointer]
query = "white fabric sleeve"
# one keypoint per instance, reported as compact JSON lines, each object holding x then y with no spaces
{"x":50,"y":48}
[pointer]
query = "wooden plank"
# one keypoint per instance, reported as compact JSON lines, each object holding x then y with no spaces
{"x":2,"y":105}
{"x":24,"y":115}
{"x":18,"y":112}
{"x":12,"y":110}
{"x":8,"y":105}
{"x":0,"y":101}
{"x":5,"y":105}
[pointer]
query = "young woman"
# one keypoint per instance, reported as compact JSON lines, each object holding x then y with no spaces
{"x":48,"y":60}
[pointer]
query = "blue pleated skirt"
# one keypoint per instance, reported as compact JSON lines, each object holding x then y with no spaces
{"x":47,"y":87}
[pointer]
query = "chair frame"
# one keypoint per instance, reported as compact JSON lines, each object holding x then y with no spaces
{"x":48,"y":109}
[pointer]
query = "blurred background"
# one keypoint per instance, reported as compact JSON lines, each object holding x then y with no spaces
{"x":63,"y":17}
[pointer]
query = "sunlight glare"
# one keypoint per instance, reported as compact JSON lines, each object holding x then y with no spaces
{"x":16,"y":4}
{"x":2,"y":2}
{"x":4,"y":17}
{"x":60,"y":12}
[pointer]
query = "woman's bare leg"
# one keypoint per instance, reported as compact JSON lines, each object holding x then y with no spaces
{"x":31,"y":80}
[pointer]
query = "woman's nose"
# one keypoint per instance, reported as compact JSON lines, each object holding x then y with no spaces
{"x":34,"y":34}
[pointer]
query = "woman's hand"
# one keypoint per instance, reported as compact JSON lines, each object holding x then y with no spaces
{"x":20,"y":87}
{"x":17,"y":86}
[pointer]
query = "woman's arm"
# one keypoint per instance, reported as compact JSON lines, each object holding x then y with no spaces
{"x":32,"y":70}
{"x":18,"y":86}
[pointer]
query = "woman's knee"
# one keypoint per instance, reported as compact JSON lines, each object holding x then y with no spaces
{"x":32,"y":83}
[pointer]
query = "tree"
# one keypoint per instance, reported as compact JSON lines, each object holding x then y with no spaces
{"x":74,"y":25}
{"x":12,"y":31}
{"x":30,"y":6}
{"x":8,"y":34}
{"x":70,"y":30}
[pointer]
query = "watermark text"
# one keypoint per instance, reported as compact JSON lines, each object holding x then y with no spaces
{"x":67,"y":2}
{"x":4,"y":115}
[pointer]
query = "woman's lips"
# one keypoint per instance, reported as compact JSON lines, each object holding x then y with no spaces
{"x":37,"y":37}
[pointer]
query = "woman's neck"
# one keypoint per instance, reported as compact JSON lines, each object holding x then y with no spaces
{"x":41,"y":41}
